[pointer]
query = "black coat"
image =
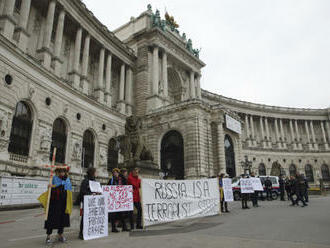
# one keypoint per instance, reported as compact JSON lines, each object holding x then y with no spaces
{"x":268,"y":184}
{"x":84,"y":188}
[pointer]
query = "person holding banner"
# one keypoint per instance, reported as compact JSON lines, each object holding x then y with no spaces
{"x":223,"y":203}
{"x":60,"y":206}
{"x":254,"y":196}
{"x":85,"y":190}
{"x":117,"y":179}
{"x":135,"y":181}
{"x":244,"y":196}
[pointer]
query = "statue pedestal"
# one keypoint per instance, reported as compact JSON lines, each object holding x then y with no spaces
{"x":147,"y":168}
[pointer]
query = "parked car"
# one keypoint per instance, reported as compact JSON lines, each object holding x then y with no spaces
{"x":275,"y":187}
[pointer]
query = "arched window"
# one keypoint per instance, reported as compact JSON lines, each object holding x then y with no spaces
{"x":262,"y":170}
{"x":88,"y":149}
{"x":276,"y":169}
{"x":309,"y":173}
{"x":19,"y":142}
{"x":59,"y":141}
{"x":230,"y":157}
{"x":292,"y":170}
{"x":325,"y":172}
{"x":112,"y":154}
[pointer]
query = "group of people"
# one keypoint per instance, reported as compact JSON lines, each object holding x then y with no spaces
{"x":60,"y":204}
{"x":296,"y":188}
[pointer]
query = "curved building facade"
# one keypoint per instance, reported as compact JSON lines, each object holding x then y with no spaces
{"x":69,"y":83}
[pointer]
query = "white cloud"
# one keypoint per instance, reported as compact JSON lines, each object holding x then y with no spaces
{"x":263,"y":51}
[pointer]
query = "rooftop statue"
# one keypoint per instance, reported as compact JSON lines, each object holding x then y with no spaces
{"x":156,"y":21}
{"x":149,"y":7}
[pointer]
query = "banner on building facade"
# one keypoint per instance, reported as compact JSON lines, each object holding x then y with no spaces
{"x":246,"y":185}
{"x":233,"y":124}
{"x":119,"y":198}
{"x":256,"y":184}
{"x":171,"y":200}
{"x":95,"y":217}
{"x":18,"y":190}
{"x":227,"y":189}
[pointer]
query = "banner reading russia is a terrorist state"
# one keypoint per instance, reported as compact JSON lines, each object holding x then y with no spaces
{"x":170,"y":200}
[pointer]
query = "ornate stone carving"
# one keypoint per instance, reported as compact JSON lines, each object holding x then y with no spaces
{"x":103,"y":157}
{"x":132,"y":145}
{"x":31,"y":92}
{"x":45,"y":138}
{"x":76,"y":150}
{"x":3,"y":123}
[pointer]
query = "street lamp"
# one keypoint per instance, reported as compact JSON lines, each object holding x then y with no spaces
{"x":246,"y":165}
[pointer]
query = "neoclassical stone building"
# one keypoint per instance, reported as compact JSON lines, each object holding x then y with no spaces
{"x":70,"y":83}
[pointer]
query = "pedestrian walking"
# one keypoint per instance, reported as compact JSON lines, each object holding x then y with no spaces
{"x":282,"y":187}
{"x":306,"y":189}
{"x":300,"y":188}
{"x":269,"y":187}
{"x":287,"y":187}
{"x":135,"y":181}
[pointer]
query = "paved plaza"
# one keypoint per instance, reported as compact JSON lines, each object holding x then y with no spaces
{"x":274,"y":224}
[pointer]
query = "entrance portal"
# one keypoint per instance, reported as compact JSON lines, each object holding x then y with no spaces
{"x":230,"y":157}
{"x":172,"y":155}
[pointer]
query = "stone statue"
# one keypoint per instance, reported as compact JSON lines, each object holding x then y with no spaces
{"x":76,"y":151}
{"x":189,"y":46}
{"x":184,"y":37}
{"x":45,"y":139}
{"x":196,"y":52}
{"x":149,"y":7}
{"x":132,"y":145}
{"x":103,"y":157}
{"x":156,"y":19}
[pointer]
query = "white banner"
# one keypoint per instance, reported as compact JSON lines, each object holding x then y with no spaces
{"x":95,"y":217}
{"x":119,"y":198}
{"x":95,"y":187}
{"x":17,"y":190}
{"x":233,"y":124}
{"x":256,"y":184}
{"x":246,"y":185}
{"x":170,"y":200}
{"x":227,"y":190}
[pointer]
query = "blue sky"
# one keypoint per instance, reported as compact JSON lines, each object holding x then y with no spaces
{"x":275,"y":52}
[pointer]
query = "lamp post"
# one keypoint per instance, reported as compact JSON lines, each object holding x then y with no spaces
{"x":246,"y":165}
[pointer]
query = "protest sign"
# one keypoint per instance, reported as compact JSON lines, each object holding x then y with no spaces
{"x":246,"y":185}
{"x":170,"y":200}
{"x":95,"y":187}
{"x":227,"y":189}
{"x":95,"y":217}
{"x":256,"y":184}
{"x":119,"y":198}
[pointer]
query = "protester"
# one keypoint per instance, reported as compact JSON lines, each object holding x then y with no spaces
{"x":300,"y":188}
{"x":293,"y":189}
{"x":288,"y":188}
{"x":269,"y":187}
{"x":245,"y":198}
{"x":223,"y":203}
{"x":135,"y":181}
{"x":117,"y":179}
{"x":85,"y":190}
{"x":60,"y":205}
{"x":129,"y":214}
{"x":254,"y":196}
{"x":282,"y":183}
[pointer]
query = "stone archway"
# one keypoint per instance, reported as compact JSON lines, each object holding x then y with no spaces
{"x":276,"y":169}
{"x":174,"y":86}
{"x":230,"y":156}
{"x":172,"y":155}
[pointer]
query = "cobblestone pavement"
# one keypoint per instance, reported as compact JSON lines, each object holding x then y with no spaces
{"x":274,"y":224}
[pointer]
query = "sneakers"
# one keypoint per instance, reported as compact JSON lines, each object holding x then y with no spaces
{"x":48,"y":241}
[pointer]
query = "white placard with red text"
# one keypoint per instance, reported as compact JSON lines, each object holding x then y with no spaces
{"x":119,"y":197}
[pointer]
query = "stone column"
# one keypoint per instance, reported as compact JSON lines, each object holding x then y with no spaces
{"x":7,"y":21}
{"x":45,"y":51}
{"x":294,"y":145}
{"x":308,"y":136}
{"x":254,"y":142}
{"x":85,"y":62}
{"x":328,"y":129}
{"x":326,"y":146}
{"x":268,"y":134}
{"x":248,"y":135}
{"x":108,"y":78}
{"x":221,"y":148}
{"x":75,"y":76}
{"x":299,"y":145}
{"x":155,"y":72}
{"x":263,"y":140}
{"x":129,"y":91}
{"x":58,"y":43}
{"x":313,"y":135}
{"x":121,"y":103}
{"x":199,"y":91}
{"x":192,"y":85}
{"x":282,"y":134}
{"x":99,"y":91}
{"x":277,"y":134}
{"x":21,"y":30}
{"x":164,"y":70}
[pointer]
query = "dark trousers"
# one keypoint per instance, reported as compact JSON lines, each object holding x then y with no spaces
{"x":117,"y":216}
{"x":288,"y":193}
{"x":245,"y":198}
{"x":137,"y":205}
{"x":282,"y":194}
{"x":269,"y":194}
{"x":254,"y":198}
{"x":59,"y":231}
{"x":81,"y":225}
{"x":306,"y":196}
{"x":300,"y":197}
{"x":223,"y":203}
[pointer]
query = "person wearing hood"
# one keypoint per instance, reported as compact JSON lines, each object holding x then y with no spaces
{"x":85,"y":190}
{"x":135,"y":181}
